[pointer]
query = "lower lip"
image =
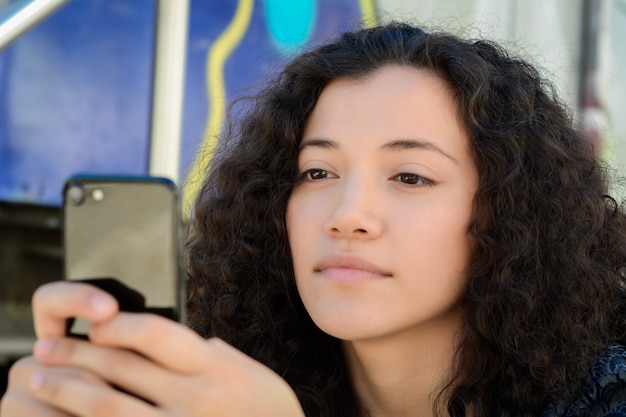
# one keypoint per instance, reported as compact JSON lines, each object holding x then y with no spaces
{"x":349,"y":275}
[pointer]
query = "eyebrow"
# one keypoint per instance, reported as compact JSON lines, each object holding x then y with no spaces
{"x":417,"y":144}
{"x":319,"y":143}
{"x":400,"y":144}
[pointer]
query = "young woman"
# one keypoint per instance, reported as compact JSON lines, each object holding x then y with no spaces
{"x":403,"y":224}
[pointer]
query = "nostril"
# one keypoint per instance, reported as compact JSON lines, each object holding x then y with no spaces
{"x":361,"y":231}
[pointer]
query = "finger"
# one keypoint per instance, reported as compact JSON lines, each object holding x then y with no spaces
{"x":170,"y":344}
{"x":18,"y":405}
{"x":120,"y":367}
{"x":55,"y":302}
{"x":83,"y":399}
{"x":18,"y":401}
{"x":24,"y":374}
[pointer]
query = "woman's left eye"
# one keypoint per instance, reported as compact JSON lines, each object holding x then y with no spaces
{"x":413,"y":179}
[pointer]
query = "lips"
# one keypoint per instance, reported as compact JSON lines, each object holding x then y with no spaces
{"x":347,"y":267}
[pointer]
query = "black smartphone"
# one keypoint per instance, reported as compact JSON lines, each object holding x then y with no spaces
{"x":124,"y":235}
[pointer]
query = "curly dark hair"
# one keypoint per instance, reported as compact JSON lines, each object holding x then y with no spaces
{"x":545,"y":287}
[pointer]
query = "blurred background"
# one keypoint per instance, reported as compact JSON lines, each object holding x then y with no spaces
{"x":140,"y":87}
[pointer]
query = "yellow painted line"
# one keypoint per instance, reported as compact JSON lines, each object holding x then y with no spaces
{"x":216,"y":91}
{"x":368,"y":12}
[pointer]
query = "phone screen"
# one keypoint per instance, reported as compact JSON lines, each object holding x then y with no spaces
{"x":126,"y":230}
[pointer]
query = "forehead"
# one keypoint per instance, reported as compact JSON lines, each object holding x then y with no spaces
{"x":394,"y":102}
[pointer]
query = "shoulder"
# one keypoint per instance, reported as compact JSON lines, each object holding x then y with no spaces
{"x":605,"y":395}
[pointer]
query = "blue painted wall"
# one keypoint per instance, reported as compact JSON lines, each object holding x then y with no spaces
{"x":75,"y":96}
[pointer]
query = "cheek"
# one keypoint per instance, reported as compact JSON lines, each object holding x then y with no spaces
{"x":296,"y":230}
{"x":440,"y":243}
{"x":293,"y":219}
{"x":290,"y":221}
{"x":303,"y":217}
{"x":305,"y":228}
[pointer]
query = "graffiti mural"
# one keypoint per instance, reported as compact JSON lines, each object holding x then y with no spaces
{"x":233,"y":50}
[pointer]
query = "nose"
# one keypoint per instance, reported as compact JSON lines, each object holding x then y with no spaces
{"x":356,"y":214}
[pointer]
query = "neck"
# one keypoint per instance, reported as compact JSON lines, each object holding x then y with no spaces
{"x":402,"y":374}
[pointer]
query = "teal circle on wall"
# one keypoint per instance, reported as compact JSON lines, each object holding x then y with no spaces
{"x":290,"y":22}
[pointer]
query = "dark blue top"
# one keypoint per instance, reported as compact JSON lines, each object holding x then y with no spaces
{"x":605,"y":395}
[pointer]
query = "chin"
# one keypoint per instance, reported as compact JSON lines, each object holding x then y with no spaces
{"x":349,"y":328}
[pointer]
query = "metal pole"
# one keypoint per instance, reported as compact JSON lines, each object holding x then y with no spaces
{"x":591,"y":113}
{"x":25,"y":17}
{"x":169,"y":83}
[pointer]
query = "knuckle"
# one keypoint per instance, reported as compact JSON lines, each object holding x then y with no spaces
{"x":104,"y":405}
{"x":149,"y":330}
{"x":84,"y":377}
{"x":121,"y":362}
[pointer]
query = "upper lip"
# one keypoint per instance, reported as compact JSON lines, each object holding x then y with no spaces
{"x":349,"y":261}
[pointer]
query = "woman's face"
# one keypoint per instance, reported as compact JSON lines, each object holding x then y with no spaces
{"x":378,"y":222}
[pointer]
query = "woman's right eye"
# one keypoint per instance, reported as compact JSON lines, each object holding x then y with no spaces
{"x":314,"y":174}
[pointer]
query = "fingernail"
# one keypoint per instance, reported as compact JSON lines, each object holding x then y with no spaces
{"x":102,"y":304}
{"x":36,"y":382}
{"x":43,"y":348}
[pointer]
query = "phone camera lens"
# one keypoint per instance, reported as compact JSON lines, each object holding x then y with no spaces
{"x":76,"y":195}
{"x":97,"y":195}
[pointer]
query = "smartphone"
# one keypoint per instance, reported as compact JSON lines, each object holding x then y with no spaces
{"x":124,"y":235}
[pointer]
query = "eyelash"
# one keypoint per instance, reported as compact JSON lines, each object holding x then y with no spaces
{"x":404,"y":177}
{"x":307,"y":175}
{"x":417,"y":179}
